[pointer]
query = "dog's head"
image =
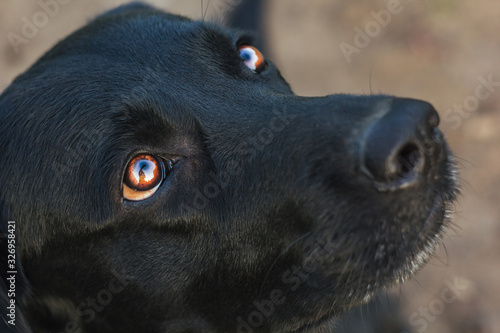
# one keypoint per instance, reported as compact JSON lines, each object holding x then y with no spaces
{"x":164,"y":177}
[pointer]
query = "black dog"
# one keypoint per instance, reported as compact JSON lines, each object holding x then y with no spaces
{"x":161,"y":176}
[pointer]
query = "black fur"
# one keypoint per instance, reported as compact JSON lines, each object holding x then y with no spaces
{"x":268,"y":200}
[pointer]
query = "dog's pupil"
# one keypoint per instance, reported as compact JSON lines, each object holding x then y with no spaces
{"x":143,"y":173}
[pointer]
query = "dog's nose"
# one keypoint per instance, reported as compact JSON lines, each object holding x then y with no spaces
{"x":395,"y":145}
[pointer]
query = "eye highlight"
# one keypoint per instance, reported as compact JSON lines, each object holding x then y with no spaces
{"x":253,"y":58}
{"x":143,"y":176}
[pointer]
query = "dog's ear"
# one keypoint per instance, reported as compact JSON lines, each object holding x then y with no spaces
{"x":128,"y":8}
{"x":13,"y":284}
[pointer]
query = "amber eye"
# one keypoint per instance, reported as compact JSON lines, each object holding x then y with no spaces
{"x":253,"y":58}
{"x":143,"y":176}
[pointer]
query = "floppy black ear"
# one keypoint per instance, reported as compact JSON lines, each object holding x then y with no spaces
{"x":13,"y":283}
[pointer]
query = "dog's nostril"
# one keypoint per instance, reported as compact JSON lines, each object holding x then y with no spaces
{"x":400,"y":163}
{"x":409,"y":159}
{"x":393,"y":153}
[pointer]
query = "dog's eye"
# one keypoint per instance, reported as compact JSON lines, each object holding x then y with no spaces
{"x":143,"y":177}
{"x":253,"y":58}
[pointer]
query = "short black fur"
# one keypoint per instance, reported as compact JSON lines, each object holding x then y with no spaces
{"x":269,"y":220}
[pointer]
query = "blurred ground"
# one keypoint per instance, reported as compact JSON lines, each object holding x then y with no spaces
{"x":439,"y":51}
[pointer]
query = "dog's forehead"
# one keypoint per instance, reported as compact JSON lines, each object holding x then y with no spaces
{"x":153,"y":39}
{"x":159,"y":52}
{"x":147,"y":55}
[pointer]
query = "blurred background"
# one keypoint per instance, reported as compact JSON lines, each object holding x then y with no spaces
{"x":444,"y":51}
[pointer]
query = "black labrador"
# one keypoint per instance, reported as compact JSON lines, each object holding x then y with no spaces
{"x":159,"y":175}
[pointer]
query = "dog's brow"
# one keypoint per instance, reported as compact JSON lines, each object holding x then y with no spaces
{"x":246,"y":37}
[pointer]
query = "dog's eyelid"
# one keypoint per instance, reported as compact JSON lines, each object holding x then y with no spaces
{"x":245,"y":39}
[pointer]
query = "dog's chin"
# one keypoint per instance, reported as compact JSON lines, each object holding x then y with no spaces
{"x":362,"y":292}
{"x":435,"y":224}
